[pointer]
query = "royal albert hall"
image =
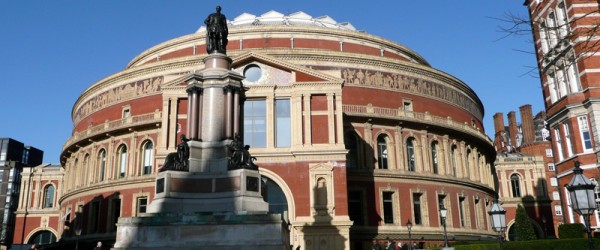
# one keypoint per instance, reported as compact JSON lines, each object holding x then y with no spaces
{"x":355,"y":135}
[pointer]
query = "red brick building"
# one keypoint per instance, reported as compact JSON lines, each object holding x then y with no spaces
{"x":524,"y":166}
{"x":354,"y":134}
{"x":565,"y":34}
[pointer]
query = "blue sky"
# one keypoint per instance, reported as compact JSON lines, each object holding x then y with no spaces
{"x":51,"y":51}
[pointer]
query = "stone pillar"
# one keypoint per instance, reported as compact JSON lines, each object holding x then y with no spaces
{"x":194,"y":106}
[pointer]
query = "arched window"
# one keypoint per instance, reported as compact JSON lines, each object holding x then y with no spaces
{"x":469,"y":162}
{"x":101,"y":164}
{"x":453,"y":155}
{"x":410,"y":154}
{"x":274,"y":195}
{"x":42,"y":238}
{"x":515,"y":183}
{"x":434,"y":157}
{"x":74,"y":180}
{"x":122,"y":161}
{"x":563,"y":23}
{"x":148,"y":157}
{"x":351,"y":143}
{"x":382,"y":152}
{"x":48,"y":197}
{"x":85,"y":171}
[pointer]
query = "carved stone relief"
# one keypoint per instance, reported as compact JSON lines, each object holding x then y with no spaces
{"x":410,"y":84}
{"x":121,"y":93}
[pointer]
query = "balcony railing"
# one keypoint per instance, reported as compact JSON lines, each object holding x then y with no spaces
{"x":108,"y":126}
{"x":400,"y":114}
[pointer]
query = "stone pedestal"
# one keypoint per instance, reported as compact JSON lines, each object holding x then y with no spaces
{"x":231,"y":192}
{"x":194,"y":231}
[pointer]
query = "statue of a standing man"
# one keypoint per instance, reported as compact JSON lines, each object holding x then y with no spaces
{"x":216,"y":32}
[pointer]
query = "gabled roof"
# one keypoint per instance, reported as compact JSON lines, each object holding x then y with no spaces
{"x":313,"y":75}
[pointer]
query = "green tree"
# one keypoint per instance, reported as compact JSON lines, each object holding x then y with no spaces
{"x":523,"y":226}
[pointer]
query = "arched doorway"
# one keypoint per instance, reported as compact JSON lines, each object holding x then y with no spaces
{"x":42,"y":238}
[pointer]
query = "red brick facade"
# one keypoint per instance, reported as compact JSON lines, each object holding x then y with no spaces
{"x":366,"y":112}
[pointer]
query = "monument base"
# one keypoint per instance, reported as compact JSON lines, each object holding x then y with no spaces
{"x":197,"y":231}
{"x":236,"y":191}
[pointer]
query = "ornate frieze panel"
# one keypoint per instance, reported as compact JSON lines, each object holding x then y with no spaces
{"x":360,"y":77}
{"x":117,"y":94}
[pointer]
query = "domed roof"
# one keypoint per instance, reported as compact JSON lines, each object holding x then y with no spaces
{"x":275,"y":18}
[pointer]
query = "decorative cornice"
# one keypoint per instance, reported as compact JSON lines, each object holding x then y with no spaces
{"x":237,"y":33}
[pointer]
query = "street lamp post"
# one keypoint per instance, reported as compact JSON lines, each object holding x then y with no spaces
{"x":443,"y":214}
{"x":409,"y":226}
{"x":498,"y":219}
{"x":583,"y":201}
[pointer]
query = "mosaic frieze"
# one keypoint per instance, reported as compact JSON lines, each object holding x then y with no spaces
{"x":415,"y":85}
{"x":120,"y":93}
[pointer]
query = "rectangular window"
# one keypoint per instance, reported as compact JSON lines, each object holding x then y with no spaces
{"x":568,"y":139}
{"x":255,"y":123}
{"x":552,"y":87}
{"x":408,"y":105}
{"x":388,"y":208}
{"x":553,"y":182}
{"x":584,"y":131}
{"x":551,"y":167}
{"x":549,"y":152}
{"x":461,"y":210}
{"x":142,"y":203}
{"x":441,"y":204}
{"x":283,"y":125}
{"x":417,"y":208}
{"x":68,"y":215}
{"x":557,"y":210}
{"x":555,"y":195}
{"x":25,"y":158}
{"x":558,"y":143}
{"x":3,"y":149}
{"x":126,"y":113}
{"x":355,"y":205}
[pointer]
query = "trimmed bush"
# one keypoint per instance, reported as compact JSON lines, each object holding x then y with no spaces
{"x":571,"y":231}
{"x":568,"y":244}
{"x":523,"y":227}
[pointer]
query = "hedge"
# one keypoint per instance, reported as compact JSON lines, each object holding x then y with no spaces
{"x":559,"y":244}
{"x":571,"y":231}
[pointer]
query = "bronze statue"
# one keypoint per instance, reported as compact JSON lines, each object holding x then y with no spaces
{"x":216,"y":32}
{"x":178,"y":161}
{"x":240,"y":156}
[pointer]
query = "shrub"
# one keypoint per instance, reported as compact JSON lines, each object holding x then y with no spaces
{"x":561,"y":244}
{"x":523,"y":226}
{"x":571,"y":231}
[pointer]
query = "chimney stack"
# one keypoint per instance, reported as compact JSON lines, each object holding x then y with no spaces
{"x":512,"y":128}
{"x":498,"y":122}
{"x":527,"y":124}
